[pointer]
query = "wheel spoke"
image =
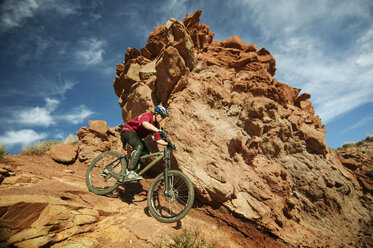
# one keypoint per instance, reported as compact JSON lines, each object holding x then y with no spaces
{"x":176,"y":203}
{"x":98,"y":179}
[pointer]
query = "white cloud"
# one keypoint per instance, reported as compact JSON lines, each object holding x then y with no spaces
{"x":336,"y":85}
{"x":91,"y":51}
{"x":37,"y":116}
{"x":77,"y":115}
{"x":21,"y":137}
{"x":45,"y":116}
{"x":321,"y":47}
{"x":365,"y":56}
{"x":15,"y":13}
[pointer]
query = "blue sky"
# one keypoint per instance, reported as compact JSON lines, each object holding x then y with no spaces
{"x":58,"y":58}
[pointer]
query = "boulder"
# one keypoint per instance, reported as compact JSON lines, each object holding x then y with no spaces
{"x":99,"y":127}
{"x":63,"y":153}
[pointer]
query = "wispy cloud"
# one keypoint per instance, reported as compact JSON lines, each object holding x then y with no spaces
{"x":91,"y":51}
{"x":60,"y":87}
{"x":21,"y":137}
{"x":321,"y":46}
{"x":175,"y":9}
{"x":360,"y":123}
{"x":336,"y":85}
{"x":38,"y":87}
{"x":15,"y":13}
{"x":77,"y":115}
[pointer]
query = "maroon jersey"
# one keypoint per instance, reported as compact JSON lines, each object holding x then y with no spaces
{"x":135,"y":125}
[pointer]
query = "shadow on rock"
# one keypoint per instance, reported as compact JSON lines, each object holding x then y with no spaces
{"x":129,"y":191}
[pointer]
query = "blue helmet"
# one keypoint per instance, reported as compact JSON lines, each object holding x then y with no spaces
{"x":161,"y":110}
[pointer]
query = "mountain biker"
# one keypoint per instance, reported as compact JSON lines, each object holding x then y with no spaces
{"x":137,"y":129}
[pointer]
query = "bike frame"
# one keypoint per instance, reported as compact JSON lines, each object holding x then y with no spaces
{"x":159,"y":156}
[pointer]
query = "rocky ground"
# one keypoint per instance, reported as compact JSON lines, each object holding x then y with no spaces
{"x":45,"y":203}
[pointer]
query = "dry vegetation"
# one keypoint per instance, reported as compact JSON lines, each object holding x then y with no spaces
{"x":2,"y":151}
{"x":185,"y":239}
{"x":41,"y":147}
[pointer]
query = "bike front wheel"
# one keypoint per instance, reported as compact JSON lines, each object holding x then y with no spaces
{"x":98,"y":179}
{"x":173,"y":204}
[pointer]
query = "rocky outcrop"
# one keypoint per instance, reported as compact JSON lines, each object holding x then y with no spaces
{"x":250,"y":144}
{"x":358,"y":160}
{"x":97,"y":138}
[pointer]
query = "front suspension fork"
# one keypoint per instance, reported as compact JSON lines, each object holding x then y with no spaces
{"x":167,"y":167}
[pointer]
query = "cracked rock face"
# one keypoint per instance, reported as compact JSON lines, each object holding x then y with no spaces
{"x":249,"y":143}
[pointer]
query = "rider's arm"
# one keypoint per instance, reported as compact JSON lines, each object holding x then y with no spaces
{"x":150,"y":127}
{"x":162,"y":142}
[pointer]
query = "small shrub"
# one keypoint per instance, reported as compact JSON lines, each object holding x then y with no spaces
{"x":2,"y":152}
{"x":369,"y":138}
{"x":71,"y":139}
{"x":39,"y":148}
{"x":349,"y":144}
{"x":186,"y":239}
{"x":361,"y":143}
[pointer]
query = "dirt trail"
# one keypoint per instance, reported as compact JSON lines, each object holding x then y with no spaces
{"x":34,"y":184}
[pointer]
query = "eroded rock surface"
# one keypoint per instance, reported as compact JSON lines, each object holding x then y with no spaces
{"x":47,"y":204}
{"x":358,"y":159}
{"x":250,"y":144}
{"x":97,"y":138}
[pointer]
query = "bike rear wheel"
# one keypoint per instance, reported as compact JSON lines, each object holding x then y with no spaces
{"x":171,"y":206}
{"x":97,"y":178}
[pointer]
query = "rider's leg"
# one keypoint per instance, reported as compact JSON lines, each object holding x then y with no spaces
{"x":145,"y":151}
{"x":136,"y":143}
{"x":123,"y":139}
{"x":135,"y":157}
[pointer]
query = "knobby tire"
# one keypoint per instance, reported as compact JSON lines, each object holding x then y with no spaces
{"x":99,"y":182}
{"x":170,"y":209}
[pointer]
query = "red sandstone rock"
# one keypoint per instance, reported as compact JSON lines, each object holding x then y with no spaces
{"x":200,"y":33}
{"x":96,"y":139}
{"x":63,"y":153}
{"x":99,"y":127}
{"x":249,"y":143}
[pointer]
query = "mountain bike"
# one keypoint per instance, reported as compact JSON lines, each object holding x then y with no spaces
{"x":171,"y":193}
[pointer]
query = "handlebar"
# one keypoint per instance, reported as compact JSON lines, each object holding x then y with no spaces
{"x":169,"y":144}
